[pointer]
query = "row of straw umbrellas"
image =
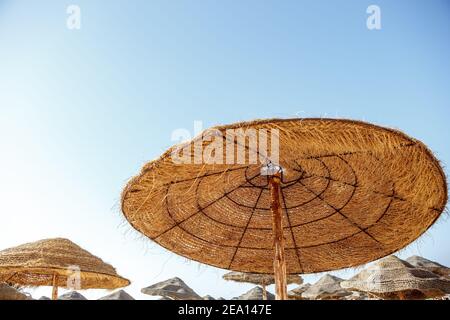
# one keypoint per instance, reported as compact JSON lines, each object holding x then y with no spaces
{"x":389,"y":278}
{"x":51,"y":262}
{"x":302,"y":196}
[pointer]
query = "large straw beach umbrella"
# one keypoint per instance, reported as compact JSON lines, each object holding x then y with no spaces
{"x":288,"y":196}
{"x":263,"y":280}
{"x":56,"y":262}
{"x":393,"y":278}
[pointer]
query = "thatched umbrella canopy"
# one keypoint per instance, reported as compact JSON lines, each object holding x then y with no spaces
{"x":393,"y":278}
{"x":72,"y":295}
{"x":174,"y":288}
{"x":118,"y":295}
{"x":341,"y":193}
{"x":326,"y":288}
{"x":358,"y":295}
{"x":296,"y":293}
{"x":255,"y":293}
{"x":421,"y":262}
{"x":10,"y":293}
{"x":263,"y":280}
{"x":52,"y":262}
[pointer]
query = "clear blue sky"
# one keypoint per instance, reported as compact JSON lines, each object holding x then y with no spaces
{"x":82,"y":110}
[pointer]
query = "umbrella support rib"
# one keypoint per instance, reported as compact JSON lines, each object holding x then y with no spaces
{"x":9,"y":278}
{"x":279,"y":262}
{"x":55,"y":287}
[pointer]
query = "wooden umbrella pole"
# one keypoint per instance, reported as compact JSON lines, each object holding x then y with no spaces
{"x":279,"y":263}
{"x":264,"y":291}
{"x":55,"y":287}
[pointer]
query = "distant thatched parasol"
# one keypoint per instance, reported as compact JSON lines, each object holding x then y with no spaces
{"x":358,"y":295}
{"x":255,"y":293}
{"x":432,"y":266}
{"x":10,"y":293}
{"x":342,"y":194}
{"x":72,"y":295}
{"x":296,"y":293}
{"x":56,"y":262}
{"x":393,"y":278}
{"x":174,"y":288}
{"x":261,"y":279}
{"x":118,"y":295}
{"x":327,"y":288}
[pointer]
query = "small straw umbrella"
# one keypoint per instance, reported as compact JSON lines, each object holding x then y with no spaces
{"x":118,"y":295}
{"x":421,"y":262}
{"x":302,"y":196}
{"x":72,"y":295}
{"x":255,"y":293}
{"x":52,"y":262}
{"x":326,"y":288}
{"x":174,"y":288}
{"x":393,"y":278}
{"x":263,"y":280}
{"x":296,"y":293}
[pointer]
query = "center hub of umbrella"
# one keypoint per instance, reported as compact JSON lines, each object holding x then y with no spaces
{"x":271,"y":169}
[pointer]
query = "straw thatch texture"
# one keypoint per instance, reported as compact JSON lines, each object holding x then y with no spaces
{"x":255,"y":294}
{"x":72,"y":295}
{"x":326,"y":288}
{"x":296,"y":293}
{"x":393,"y":278}
{"x":34,"y":264}
{"x":432,"y":266}
{"x":174,"y":288}
{"x":351,"y":193}
{"x":358,"y":295}
{"x":257,"y":278}
{"x":9,"y":293}
{"x":118,"y":295}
